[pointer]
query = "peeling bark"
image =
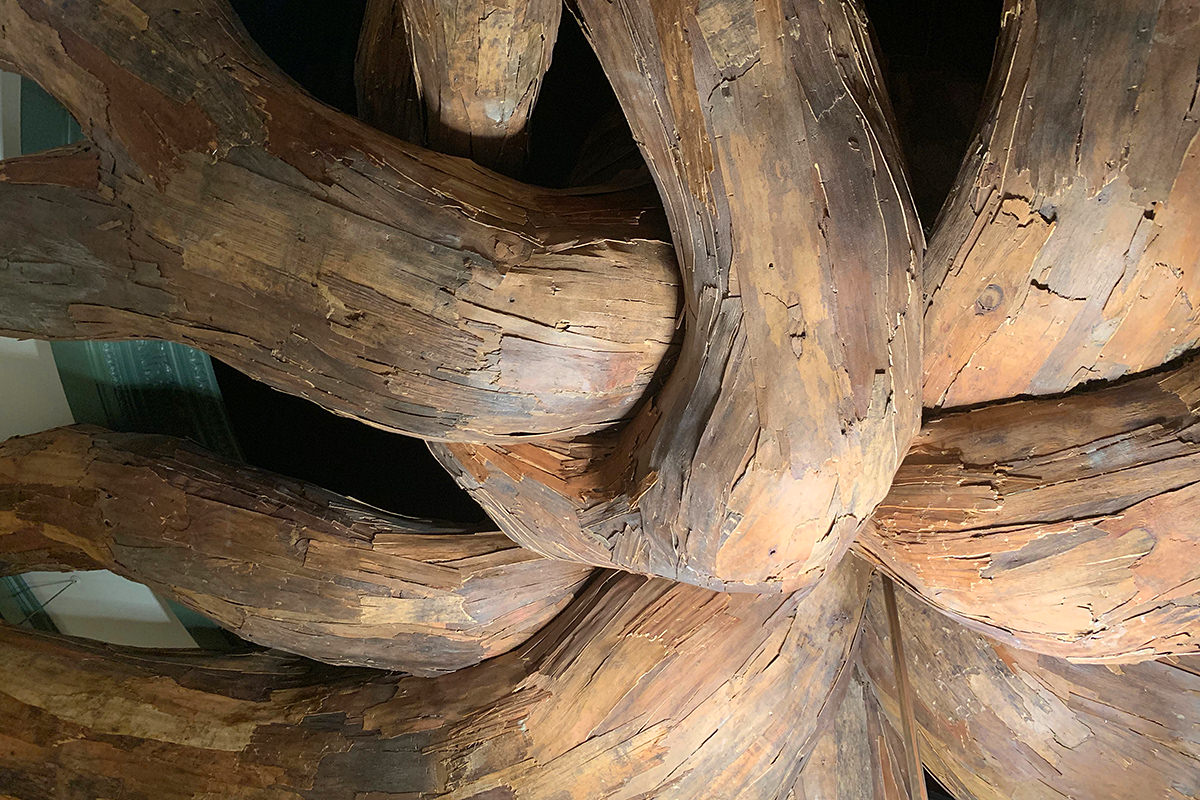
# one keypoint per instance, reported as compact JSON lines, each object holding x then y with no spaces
{"x":859,"y":756}
{"x":477,"y":66}
{"x":277,"y":561}
{"x":226,"y":209}
{"x":1065,"y":525}
{"x":795,"y":392}
{"x":1002,"y":724}
{"x":641,"y":688}
{"x":1067,"y":252}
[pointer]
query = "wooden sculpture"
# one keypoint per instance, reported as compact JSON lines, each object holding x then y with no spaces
{"x":702,"y":398}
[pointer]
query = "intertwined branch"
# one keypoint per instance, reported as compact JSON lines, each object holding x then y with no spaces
{"x":531,"y":336}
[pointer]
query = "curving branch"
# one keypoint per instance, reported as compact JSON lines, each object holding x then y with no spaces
{"x":795,"y":393}
{"x":1067,"y":251}
{"x":1064,"y":525}
{"x":278,"y":561}
{"x":688,"y":694}
{"x":476,"y":68}
{"x":230,"y":211}
{"x":998,"y":723}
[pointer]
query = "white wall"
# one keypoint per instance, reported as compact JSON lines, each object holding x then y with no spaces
{"x":94,"y":604}
{"x":99,"y":604}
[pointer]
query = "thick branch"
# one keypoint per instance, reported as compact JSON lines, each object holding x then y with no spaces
{"x":413,"y":291}
{"x":385,"y":81}
{"x":795,"y":394}
{"x":641,"y":689}
{"x":478,"y":68}
{"x":1064,"y":525}
{"x":1067,"y":251}
{"x":280,"y":562}
{"x":998,"y":723}
{"x":859,"y":756}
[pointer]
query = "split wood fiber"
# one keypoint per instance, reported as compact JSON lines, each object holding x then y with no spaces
{"x":1066,"y":525}
{"x":1068,"y":250}
{"x":460,"y":76}
{"x":795,"y":393}
{"x":641,"y":688}
{"x":277,"y":561}
{"x":999,"y":723}
{"x":220,"y":206}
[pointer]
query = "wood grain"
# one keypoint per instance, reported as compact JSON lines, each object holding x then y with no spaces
{"x":1067,"y":251}
{"x":1005,"y":724}
{"x":795,"y":394}
{"x":1064,"y":525}
{"x":641,"y":689}
{"x":226,"y":209}
{"x":477,"y":68}
{"x":278,"y":561}
{"x":860,"y":755}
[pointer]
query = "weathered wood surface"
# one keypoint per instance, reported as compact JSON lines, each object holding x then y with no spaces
{"x":641,"y":689}
{"x":1068,"y":251}
{"x":477,"y":68}
{"x":385,"y":80}
{"x":795,"y":392}
{"x":1004,"y":724}
{"x":1066,"y":525}
{"x":277,"y":561}
{"x":222,"y":207}
{"x":859,"y":755}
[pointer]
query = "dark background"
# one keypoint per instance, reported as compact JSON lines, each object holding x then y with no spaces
{"x":935,"y":54}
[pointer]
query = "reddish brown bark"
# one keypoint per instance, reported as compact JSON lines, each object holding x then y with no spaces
{"x":859,"y":756}
{"x":998,"y":723}
{"x":1064,"y":525}
{"x":1067,"y":251}
{"x":642,"y":688}
{"x":226,"y":209}
{"x":795,"y":393}
{"x":277,"y":561}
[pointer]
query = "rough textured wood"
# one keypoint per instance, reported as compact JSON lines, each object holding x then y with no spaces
{"x":278,"y":561}
{"x":641,"y":689}
{"x":385,"y":82}
{"x":1003,"y":724}
{"x":1067,"y":251}
{"x":859,"y":756}
{"x":478,"y":67}
{"x":223,"y":208}
{"x":1066,"y":525}
{"x":795,"y":392}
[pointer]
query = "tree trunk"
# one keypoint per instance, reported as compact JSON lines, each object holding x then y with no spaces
{"x":1062,"y":525}
{"x":1067,"y":251}
{"x":476,"y":68}
{"x":641,"y":688}
{"x":999,"y":724}
{"x":795,"y":393}
{"x":277,"y":561}
{"x":412,"y":291}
